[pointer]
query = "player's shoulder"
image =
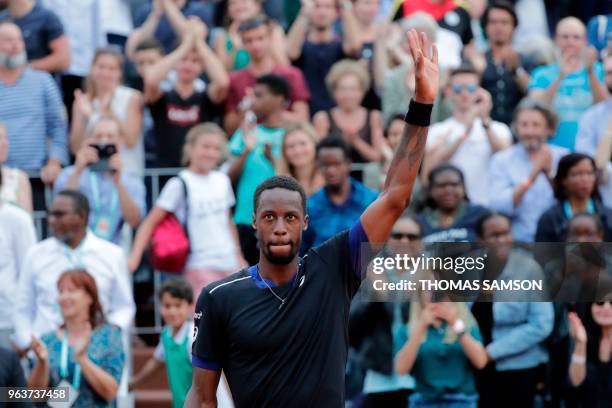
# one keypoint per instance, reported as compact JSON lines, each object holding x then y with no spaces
{"x":329,"y":252}
{"x":229,"y":285}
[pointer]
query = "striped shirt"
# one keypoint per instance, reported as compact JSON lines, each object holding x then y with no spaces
{"x":33,"y":112}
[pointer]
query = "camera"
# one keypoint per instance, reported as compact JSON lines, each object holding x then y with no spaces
{"x":105,"y":151}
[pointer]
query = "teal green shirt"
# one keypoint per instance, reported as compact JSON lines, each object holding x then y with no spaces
{"x":257,"y":168}
{"x":443,"y":368}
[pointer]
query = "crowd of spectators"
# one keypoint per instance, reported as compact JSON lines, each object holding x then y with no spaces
{"x":223,"y":94}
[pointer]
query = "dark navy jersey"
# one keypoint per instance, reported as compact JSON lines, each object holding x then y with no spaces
{"x":280,"y":355}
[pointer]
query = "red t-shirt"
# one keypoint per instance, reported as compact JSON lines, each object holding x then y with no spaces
{"x":244,"y":78}
{"x":437,"y":11}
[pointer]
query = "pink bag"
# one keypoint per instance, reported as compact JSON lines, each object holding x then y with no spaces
{"x":170,"y":241}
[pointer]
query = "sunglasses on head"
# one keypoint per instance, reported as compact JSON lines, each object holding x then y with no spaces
{"x":470,"y":88}
{"x":408,"y":235}
{"x":603,"y":302}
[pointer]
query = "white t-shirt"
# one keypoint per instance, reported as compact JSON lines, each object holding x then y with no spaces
{"x":474,"y":154}
{"x":186,"y":330}
{"x":210,"y":199}
{"x":17,"y":235}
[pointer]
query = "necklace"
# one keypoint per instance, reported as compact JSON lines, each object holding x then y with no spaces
{"x":282,"y":300}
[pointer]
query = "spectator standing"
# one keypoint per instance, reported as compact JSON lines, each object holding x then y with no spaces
{"x":299,"y":157}
{"x":448,"y":215}
{"x":449,"y":14}
{"x":513,"y":332}
{"x":597,"y":119}
{"x":17,"y":235}
{"x":85,"y":350}
{"x":470,"y":137}
{"x":341,"y":201}
{"x":314,"y":46}
{"x":116,"y":196}
{"x":228,"y":43}
{"x":166,"y":21}
{"x":257,"y":37}
{"x":45,"y":42}
{"x":72,"y":246}
{"x":32,"y":110}
{"x":348,"y":82}
{"x":519,"y":177}
{"x":444,"y":346}
{"x":106,"y":96}
{"x":185,"y":104}
{"x":504,"y":75}
{"x":254,"y":149}
{"x":575,"y":187}
{"x":214,"y":246}
{"x":573,"y":84}
{"x":82,"y":24}
{"x":590,"y":362}
{"x":366,"y":12}
{"x":15,"y":187}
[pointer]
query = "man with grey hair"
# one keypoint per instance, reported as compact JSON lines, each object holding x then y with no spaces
{"x":571,"y":85}
{"x":32,"y":109}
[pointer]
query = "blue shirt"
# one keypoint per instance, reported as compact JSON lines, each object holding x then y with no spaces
{"x":164,"y":33}
{"x":104,"y":206}
{"x":257,"y":168}
{"x":33,"y":111}
{"x":326,"y":219}
{"x":39,"y":28}
{"x":509,"y":168}
{"x":573,"y":98}
{"x":592,"y":127}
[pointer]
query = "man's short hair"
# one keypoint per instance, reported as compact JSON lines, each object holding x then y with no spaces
{"x":79,"y":201}
{"x":501,"y":5}
{"x":464,"y":68}
{"x":177,"y":288}
{"x":253,"y":23}
{"x":334,"y":142}
{"x":277,"y":85}
{"x":284,"y":182}
{"x":150,"y":44}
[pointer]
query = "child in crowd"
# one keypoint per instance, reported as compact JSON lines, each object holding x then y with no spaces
{"x":214,"y":248}
{"x":174,"y":348}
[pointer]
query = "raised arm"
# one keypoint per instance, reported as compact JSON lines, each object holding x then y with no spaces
{"x":299,"y":30}
{"x":351,"y":43}
{"x":219,"y":79}
{"x":145,"y":31}
{"x":379,"y":217}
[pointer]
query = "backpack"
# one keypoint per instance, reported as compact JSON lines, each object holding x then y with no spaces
{"x":170,"y":240}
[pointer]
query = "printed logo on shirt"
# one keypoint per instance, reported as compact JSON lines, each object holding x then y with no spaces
{"x":302,"y":280}
{"x":195,"y":332}
{"x":183,"y":116}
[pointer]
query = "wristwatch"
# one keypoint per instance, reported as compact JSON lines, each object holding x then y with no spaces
{"x":459,"y":327}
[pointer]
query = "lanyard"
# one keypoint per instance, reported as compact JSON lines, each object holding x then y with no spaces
{"x":568,"y":209}
{"x":76,"y":376}
{"x":97,"y":207}
{"x":75,"y":257}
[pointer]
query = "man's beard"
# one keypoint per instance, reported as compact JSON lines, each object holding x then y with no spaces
{"x":533,"y":146}
{"x":282,"y":260}
{"x":14,"y":61}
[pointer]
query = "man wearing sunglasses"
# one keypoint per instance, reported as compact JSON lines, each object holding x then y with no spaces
{"x":469,"y":137}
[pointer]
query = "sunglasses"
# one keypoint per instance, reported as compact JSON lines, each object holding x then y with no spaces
{"x":602,"y":303}
{"x":470,"y":88}
{"x":409,"y":236}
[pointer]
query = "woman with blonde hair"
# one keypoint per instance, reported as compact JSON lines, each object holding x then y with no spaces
{"x":348,"y":82}
{"x":444,"y":346}
{"x":105,"y":95}
{"x":298,"y":158}
{"x":201,"y":197}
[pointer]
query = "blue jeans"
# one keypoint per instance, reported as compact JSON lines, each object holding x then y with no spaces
{"x":446,"y":401}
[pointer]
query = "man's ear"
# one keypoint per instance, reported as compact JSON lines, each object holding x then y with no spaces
{"x":254,"y":224}
{"x":306,"y":220}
